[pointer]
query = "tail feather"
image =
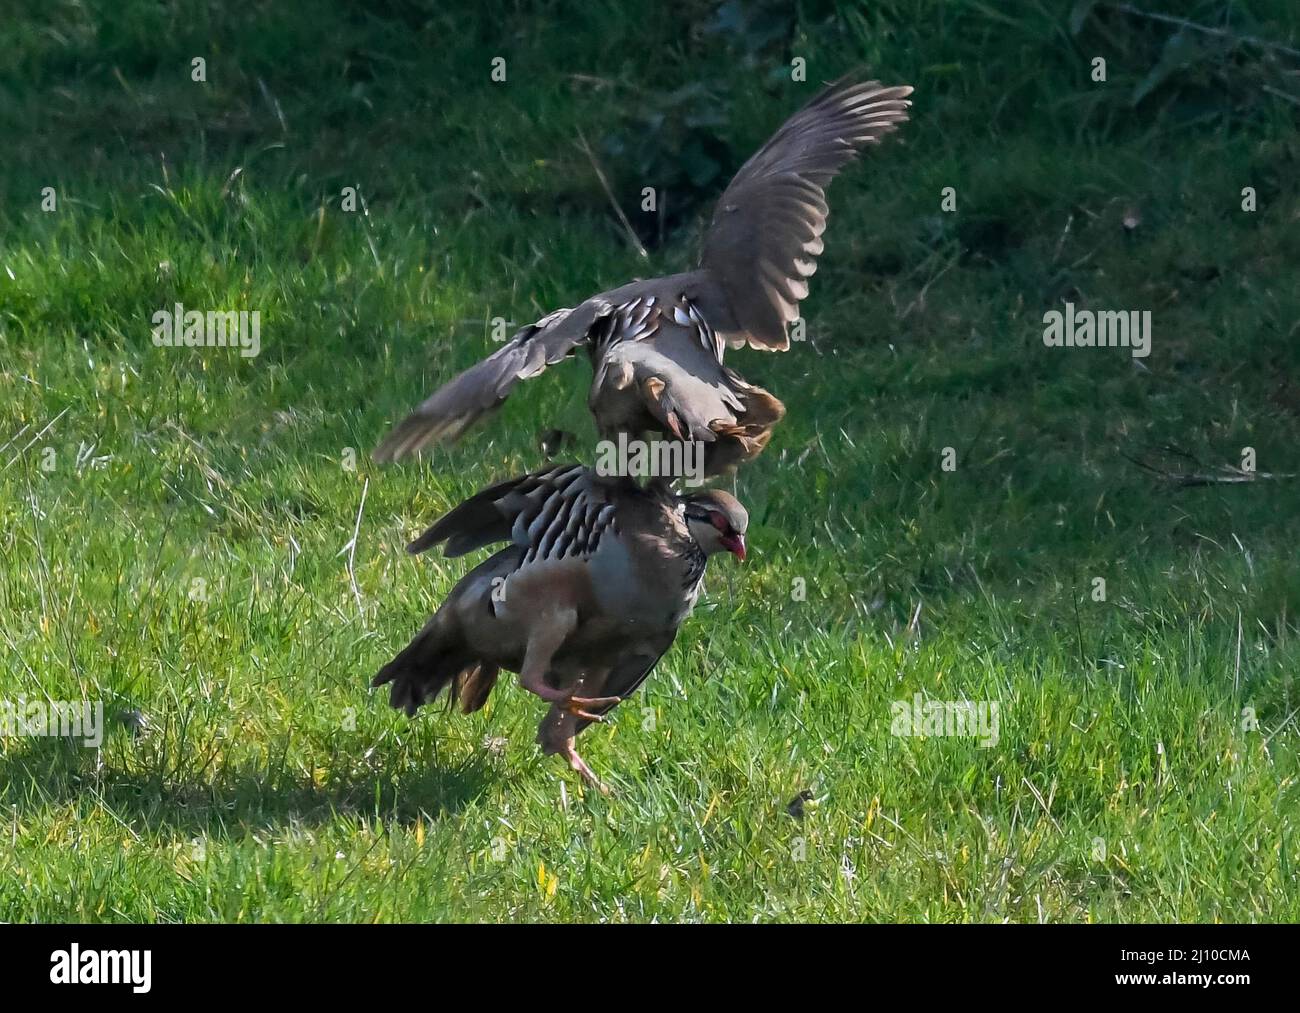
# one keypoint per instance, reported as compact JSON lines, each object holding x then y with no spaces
{"x":746,"y":438}
{"x":474,"y":686}
{"x":430,"y":663}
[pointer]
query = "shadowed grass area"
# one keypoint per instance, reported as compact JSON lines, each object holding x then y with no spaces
{"x":178,"y":524}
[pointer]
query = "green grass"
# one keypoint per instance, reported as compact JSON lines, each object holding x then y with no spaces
{"x":270,"y":784}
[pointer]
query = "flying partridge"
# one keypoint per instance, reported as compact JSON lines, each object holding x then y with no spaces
{"x":656,"y":346}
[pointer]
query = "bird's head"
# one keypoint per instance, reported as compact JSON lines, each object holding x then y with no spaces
{"x":717,"y":522}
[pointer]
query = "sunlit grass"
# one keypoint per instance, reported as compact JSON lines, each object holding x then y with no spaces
{"x":177,"y":535}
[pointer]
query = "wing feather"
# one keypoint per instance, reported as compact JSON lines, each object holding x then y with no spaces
{"x":466,"y":398}
{"x":766,"y":231}
{"x":559,"y":512}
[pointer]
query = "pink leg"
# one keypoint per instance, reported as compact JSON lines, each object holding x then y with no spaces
{"x":580,"y":765}
{"x":537,"y":660}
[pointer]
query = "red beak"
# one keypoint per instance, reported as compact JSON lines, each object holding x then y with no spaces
{"x":736,"y":545}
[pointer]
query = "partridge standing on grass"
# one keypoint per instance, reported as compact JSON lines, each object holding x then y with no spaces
{"x":656,"y":346}
{"x":584,"y":601}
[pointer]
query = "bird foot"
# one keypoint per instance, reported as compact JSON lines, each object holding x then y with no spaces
{"x":585,"y":706}
{"x":580,"y":765}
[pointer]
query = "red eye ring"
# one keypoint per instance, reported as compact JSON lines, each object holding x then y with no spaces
{"x":719,"y":522}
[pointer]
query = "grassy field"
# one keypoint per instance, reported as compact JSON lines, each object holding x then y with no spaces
{"x":185,"y":536}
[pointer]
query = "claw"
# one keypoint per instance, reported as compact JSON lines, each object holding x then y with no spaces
{"x":580,"y":765}
{"x":584,"y":706}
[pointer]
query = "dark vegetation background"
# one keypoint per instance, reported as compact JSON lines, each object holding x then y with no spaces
{"x":249,"y":774}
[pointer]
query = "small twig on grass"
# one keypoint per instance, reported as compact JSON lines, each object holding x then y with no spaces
{"x":914,"y":627}
{"x":1222,"y":33}
{"x":1285,"y":721}
{"x":1044,"y":804}
{"x":351,"y":549}
{"x":1281,"y":94}
{"x":920,"y":296}
{"x":1225,"y":474}
{"x":15,"y":438}
{"x":370,"y":239}
{"x":604,"y":183}
{"x":47,"y":428}
{"x":274,"y":103}
{"x":1065,"y":232}
{"x":601,"y":83}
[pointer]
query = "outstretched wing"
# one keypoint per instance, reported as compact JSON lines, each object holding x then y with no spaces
{"x":766,"y":231}
{"x":550,"y":514}
{"x":478,"y":390}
